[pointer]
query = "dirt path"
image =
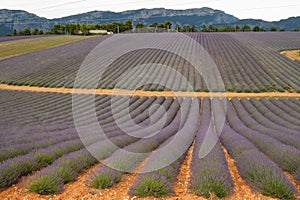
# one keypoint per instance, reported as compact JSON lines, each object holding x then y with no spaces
{"x":147,"y":93}
{"x":181,"y":185}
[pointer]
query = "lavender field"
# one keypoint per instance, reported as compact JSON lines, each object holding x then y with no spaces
{"x":80,"y":144}
{"x":249,"y":62}
{"x":39,"y":137}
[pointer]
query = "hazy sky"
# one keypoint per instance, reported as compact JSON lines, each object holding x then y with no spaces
{"x":269,"y":10}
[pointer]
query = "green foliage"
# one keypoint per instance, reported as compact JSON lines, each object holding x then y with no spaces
{"x":211,"y":186}
{"x":151,"y":186}
{"x":277,"y":189}
{"x":105,"y":180}
{"x":43,"y":158}
{"x":65,"y":173}
{"x":140,"y":25}
{"x":273,"y":28}
{"x":45,"y":184}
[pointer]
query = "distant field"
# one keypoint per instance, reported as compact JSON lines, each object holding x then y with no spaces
{"x":247,"y":62}
{"x":17,"y":47}
{"x":292,"y":54}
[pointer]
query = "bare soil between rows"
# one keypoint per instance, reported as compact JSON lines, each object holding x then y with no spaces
{"x":148,"y":93}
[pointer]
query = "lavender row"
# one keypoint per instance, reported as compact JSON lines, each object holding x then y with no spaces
{"x":286,"y":138}
{"x":275,"y":115}
{"x":287,"y":107}
{"x":209,"y":173}
{"x":20,"y":149}
{"x":127,"y":159}
{"x":283,"y":113}
{"x":160,"y":170}
{"x":51,"y":179}
{"x":260,"y":173}
{"x":12,"y":169}
{"x":264,"y":120}
{"x":287,"y":157}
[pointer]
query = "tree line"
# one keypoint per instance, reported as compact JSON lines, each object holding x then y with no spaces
{"x":118,"y":27}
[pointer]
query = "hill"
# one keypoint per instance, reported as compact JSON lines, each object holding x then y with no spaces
{"x":19,"y":19}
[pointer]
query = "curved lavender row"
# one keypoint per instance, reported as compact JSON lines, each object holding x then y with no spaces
{"x":286,"y":107}
{"x":145,"y":121}
{"x":48,"y":156}
{"x":283,"y":114}
{"x":125,"y":160}
{"x":260,"y":173}
{"x":157,"y":181}
{"x":135,"y":109}
{"x":209,"y":175}
{"x":287,"y":157}
{"x":295,"y":101}
{"x":32,"y":136}
{"x":108,"y":120}
{"x":20,"y":149}
{"x":51,"y":179}
{"x":259,"y":117}
{"x":272,"y":116}
{"x":128,"y":162}
{"x":12,"y":169}
{"x":286,"y":138}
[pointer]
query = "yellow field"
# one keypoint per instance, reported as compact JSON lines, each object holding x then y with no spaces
{"x":17,"y":47}
{"x":292,"y":54}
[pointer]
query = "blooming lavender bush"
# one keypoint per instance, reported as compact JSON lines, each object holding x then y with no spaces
{"x":209,"y":175}
{"x":12,"y":169}
{"x":163,"y":165}
{"x":127,"y":159}
{"x":287,"y":157}
{"x":261,"y":173}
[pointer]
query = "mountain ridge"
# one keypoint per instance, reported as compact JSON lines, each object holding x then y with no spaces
{"x":20,"y":19}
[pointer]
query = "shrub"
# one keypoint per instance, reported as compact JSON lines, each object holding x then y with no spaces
{"x":45,"y":184}
{"x":151,"y":185}
{"x":104,"y":177}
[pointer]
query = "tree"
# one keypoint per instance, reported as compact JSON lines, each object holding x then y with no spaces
{"x":58,"y":29}
{"x":140,"y":25}
{"x":161,"y":25}
{"x":193,"y":29}
{"x":26,"y":31}
{"x":154,"y":25}
{"x":282,"y":30}
{"x":168,"y":24}
{"x":186,"y":28}
{"x":178,"y":27}
{"x":212,"y":28}
{"x":256,"y":29}
{"x":41,"y":32}
{"x":273,"y":28}
{"x":246,"y":28}
{"x":35,"y":31}
{"x":71,"y":28}
{"x":128,"y":25}
{"x":84,"y":29}
{"x":203,"y":28}
{"x":15,"y":32}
